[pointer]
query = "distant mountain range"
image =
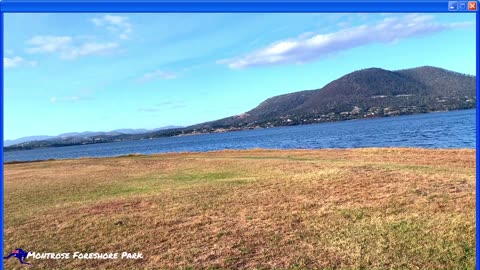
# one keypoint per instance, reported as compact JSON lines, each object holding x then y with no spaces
{"x":86,"y":134}
{"x":366,"y":93}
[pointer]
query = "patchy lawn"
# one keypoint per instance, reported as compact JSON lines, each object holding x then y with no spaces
{"x":355,"y":209}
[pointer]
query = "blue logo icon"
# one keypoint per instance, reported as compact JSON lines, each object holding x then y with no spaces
{"x":452,"y":5}
{"x":20,"y":254}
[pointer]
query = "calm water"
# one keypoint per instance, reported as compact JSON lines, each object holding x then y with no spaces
{"x":435,"y":130}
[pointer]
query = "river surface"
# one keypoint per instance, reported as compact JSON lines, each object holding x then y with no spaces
{"x":454,"y":129}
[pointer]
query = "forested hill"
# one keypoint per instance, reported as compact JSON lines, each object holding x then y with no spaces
{"x":372,"y":92}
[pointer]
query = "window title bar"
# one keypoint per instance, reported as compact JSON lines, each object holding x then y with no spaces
{"x":238,"y":6}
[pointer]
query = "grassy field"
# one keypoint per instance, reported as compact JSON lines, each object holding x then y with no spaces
{"x":264,"y":209}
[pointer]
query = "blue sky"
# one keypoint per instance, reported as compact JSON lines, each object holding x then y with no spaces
{"x":100,"y":72}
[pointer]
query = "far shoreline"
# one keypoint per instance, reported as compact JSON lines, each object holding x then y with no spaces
{"x":223,"y":130}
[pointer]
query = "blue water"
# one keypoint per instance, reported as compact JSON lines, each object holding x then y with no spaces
{"x":435,"y":130}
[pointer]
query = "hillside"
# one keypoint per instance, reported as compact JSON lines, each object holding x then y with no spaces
{"x":372,"y":92}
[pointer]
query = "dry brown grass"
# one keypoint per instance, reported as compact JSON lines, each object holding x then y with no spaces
{"x":349,"y":209}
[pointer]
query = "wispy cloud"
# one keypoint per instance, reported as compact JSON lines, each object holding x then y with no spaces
{"x":306,"y":48}
{"x":49,"y":44}
{"x":92,"y":48}
{"x":72,"y":47}
{"x":80,"y":95}
{"x":67,"y":48}
{"x":17,"y":61}
{"x":167,"y":105}
{"x":119,"y":25}
{"x":158,"y":75}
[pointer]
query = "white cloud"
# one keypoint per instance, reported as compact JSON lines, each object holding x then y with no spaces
{"x":69,"y":47}
{"x":307,"y":48}
{"x":91,"y":48}
{"x":17,"y":61}
{"x":119,"y":25}
{"x":163,"y":75}
{"x":66,"y":47}
{"x":49,"y":44}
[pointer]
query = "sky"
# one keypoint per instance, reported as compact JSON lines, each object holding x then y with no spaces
{"x":101,"y":72}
